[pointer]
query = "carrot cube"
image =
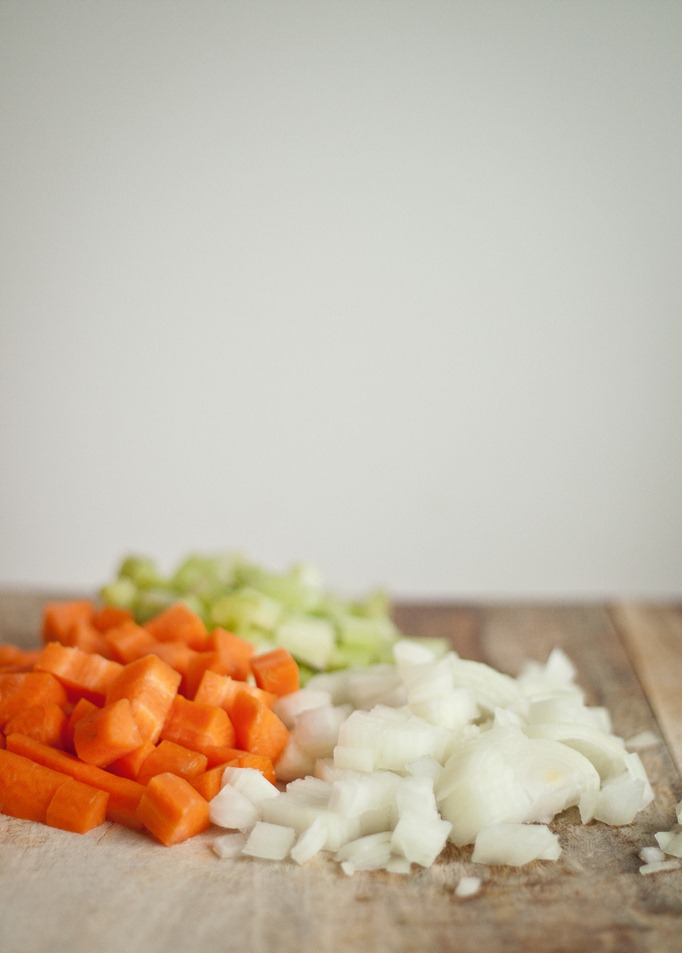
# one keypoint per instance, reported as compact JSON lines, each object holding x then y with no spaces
{"x":108,"y":733}
{"x":172,"y":810}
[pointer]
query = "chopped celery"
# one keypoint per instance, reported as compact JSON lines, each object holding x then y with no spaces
{"x":322,"y":630}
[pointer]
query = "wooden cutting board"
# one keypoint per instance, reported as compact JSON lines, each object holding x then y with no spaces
{"x":116,"y":891}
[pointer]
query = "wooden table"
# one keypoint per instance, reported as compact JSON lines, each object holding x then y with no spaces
{"x":115,"y":890}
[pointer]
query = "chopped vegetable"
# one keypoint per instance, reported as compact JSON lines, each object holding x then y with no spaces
{"x":293,"y":609}
{"x":172,"y":810}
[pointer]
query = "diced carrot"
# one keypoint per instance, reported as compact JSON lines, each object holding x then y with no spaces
{"x":26,"y":788}
{"x":15,"y":659}
{"x":3,"y":744}
{"x":85,"y":636}
{"x":276,"y":671}
{"x":235,"y":653}
{"x":20,"y":690}
{"x":197,"y":726}
{"x":81,"y":708}
{"x":176,"y":654}
{"x":128,"y":766}
{"x":179,"y":623}
{"x":129,"y":641}
{"x":60,"y":617}
{"x":103,"y":735}
{"x":216,"y":689}
{"x":47,"y":723}
{"x":150,"y":684}
{"x":249,"y":759}
{"x":172,"y":810}
{"x":124,"y":794}
{"x":220,"y":754}
{"x":109,"y":617}
{"x":82,"y":673}
{"x":257,"y":728}
{"x":209,"y":782}
{"x":77,"y":807}
{"x":169,"y":756}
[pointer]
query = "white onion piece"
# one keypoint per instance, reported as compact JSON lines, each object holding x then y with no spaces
{"x":606,"y":752}
{"x":269,"y":841}
{"x":504,"y":776}
{"x":316,"y":730}
{"x":294,"y":762}
{"x":287,"y":707}
{"x":420,"y":833}
{"x":310,"y":842}
{"x":371,"y":852}
{"x":642,"y":740}
{"x":556,"y":674}
{"x":491,"y":689}
{"x":230,"y":808}
{"x":228,"y":846}
{"x":515,"y":844}
{"x":670,"y":842}
{"x":663,"y":866}
{"x":562,"y":707}
{"x":651,"y":855}
{"x":468,"y":886}
{"x":619,"y":800}
{"x":248,"y":781}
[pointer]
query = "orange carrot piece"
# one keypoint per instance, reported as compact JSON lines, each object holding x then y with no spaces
{"x":197,"y":726}
{"x":179,"y":623}
{"x":221,"y":690}
{"x":235,"y":653}
{"x":221,"y":754}
{"x":20,"y":690}
{"x":26,"y":788}
{"x":81,"y":708}
{"x":109,"y":617}
{"x":168,"y":756}
{"x":150,"y":684}
{"x":249,"y":759}
{"x":85,"y":636}
{"x":276,"y":671}
{"x":172,"y":810}
{"x":128,"y":765}
{"x":77,"y":807}
{"x":124,"y":794}
{"x":82,"y":673}
{"x":128,"y":641}
{"x":60,"y":617}
{"x":209,"y":782}
{"x":47,"y":723}
{"x":103,"y":735}
{"x":257,"y":728}
{"x":15,"y":659}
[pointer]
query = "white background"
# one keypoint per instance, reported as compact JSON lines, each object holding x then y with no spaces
{"x":393,"y":287}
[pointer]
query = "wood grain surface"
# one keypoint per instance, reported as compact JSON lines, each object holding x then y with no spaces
{"x":115,"y":890}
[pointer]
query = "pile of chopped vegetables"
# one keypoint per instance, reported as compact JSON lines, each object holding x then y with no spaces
{"x":172,"y":726}
{"x":292,"y":609}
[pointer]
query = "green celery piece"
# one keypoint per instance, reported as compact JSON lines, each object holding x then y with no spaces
{"x":311,"y":641}
{"x":142,"y":571}
{"x":122,"y":592}
{"x":207,"y":576}
{"x":246,"y":607}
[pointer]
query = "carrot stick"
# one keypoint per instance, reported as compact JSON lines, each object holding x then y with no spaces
{"x":77,"y":807}
{"x":197,"y":726}
{"x":172,"y":810}
{"x":169,"y":756}
{"x":276,"y":671}
{"x":150,"y":684}
{"x":179,"y":623}
{"x":124,"y":795}
{"x":105,"y":734}
{"x":83,"y":673}
{"x":257,"y":728}
{"x":26,"y":788}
